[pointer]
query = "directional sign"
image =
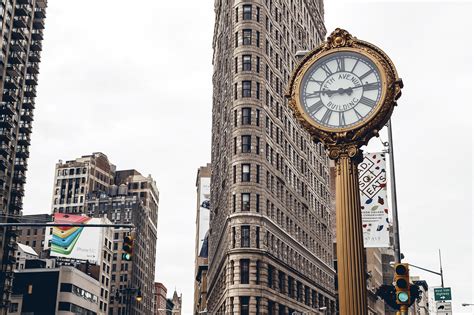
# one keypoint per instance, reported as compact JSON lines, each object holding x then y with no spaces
{"x":444,"y":308}
{"x":442,"y":294}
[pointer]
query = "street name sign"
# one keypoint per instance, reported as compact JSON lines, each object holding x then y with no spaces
{"x":442,"y":294}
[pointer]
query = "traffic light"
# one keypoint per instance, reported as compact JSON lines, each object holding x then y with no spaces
{"x":402,"y":284}
{"x":127,"y":248}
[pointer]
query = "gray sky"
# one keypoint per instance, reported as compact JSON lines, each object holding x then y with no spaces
{"x":134,"y":82}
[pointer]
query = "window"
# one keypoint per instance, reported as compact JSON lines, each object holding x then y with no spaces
{"x":270,"y":276}
{"x":245,"y":236}
{"x":281,"y":281}
{"x":258,"y":90}
{"x":13,"y":308}
{"x":234,"y":171}
{"x":236,"y":39}
{"x":246,"y":63}
{"x":258,"y":65}
{"x":245,"y":206}
{"x":246,"y":88}
{"x":257,"y":237}
{"x":290,"y":287}
{"x":236,"y":15}
{"x":244,"y":305}
{"x":245,"y":172}
{"x":246,"y":116}
{"x":244,"y":271}
{"x":258,"y":39}
{"x":247,"y":14}
{"x":247,"y":37}
{"x":246,"y":143}
{"x":233,"y":202}
{"x":258,"y":14}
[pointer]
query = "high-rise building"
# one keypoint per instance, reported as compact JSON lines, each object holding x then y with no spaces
{"x":203,"y":186}
{"x":270,"y":240}
{"x":92,"y":185}
{"x":22,"y":24}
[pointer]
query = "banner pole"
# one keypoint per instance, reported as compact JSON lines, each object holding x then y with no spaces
{"x":393,"y":195}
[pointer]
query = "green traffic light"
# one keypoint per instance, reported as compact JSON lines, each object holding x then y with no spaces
{"x":126,"y":256}
{"x":402,"y":297}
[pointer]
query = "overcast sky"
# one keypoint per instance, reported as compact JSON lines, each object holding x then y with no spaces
{"x":134,"y":82}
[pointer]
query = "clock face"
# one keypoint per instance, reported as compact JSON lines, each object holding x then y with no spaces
{"x":341,"y":89}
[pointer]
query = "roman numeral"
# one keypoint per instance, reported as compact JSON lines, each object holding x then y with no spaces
{"x":355,"y":65}
{"x":341,"y":64}
{"x":371,"y":86}
{"x":359,"y":116}
{"x":313,"y":109}
{"x":366,"y":74}
{"x":367,"y":101}
{"x":326,"y":69}
{"x":317,"y":81}
{"x":342,"y":119}
{"x":312,"y":95}
{"x":326,"y":117}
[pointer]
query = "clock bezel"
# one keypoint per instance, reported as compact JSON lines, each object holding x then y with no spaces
{"x":308,"y":67}
{"x":362,"y":131}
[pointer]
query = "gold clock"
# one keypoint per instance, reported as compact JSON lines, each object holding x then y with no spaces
{"x":344,"y":91}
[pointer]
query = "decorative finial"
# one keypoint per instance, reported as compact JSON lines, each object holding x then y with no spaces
{"x":339,"y":38}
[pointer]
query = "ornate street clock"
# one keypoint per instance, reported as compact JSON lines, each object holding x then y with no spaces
{"x":343,"y":93}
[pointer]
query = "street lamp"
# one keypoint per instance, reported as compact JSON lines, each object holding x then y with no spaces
{"x":139,"y":296}
{"x":467,"y":304}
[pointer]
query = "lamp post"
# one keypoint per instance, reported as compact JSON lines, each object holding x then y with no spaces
{"x":343,"y":93}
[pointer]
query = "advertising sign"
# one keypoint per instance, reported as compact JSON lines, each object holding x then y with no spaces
{"x":204,"y":210}
{"x":373,"y":198}
{"x":444,"y":308}
{"x":75,"y":242}
{"x":442,"y":294}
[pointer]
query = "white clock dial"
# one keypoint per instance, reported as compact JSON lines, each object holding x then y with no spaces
{"x":341,"y":89}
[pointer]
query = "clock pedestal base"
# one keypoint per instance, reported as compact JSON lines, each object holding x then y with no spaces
{"x":350,"y":242}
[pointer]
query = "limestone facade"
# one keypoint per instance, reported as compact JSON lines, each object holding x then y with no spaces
{"x":270,"y":238}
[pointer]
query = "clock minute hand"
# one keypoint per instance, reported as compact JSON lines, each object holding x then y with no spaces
{"x":328,"y":92}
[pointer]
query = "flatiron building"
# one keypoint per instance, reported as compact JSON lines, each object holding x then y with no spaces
{"x":270,"y":238}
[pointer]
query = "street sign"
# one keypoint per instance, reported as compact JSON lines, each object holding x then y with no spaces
{"x":442,"y":294}
{"x":444,"y":308}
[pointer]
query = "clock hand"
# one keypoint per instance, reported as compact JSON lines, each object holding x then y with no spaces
{"x":328,"y":92}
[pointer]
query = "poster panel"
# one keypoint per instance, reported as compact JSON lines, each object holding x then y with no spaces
{"x":204,"y":210}
{"x":74,"y":242}
{"x":373,"y":198}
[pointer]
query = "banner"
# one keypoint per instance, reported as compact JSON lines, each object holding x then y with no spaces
{"x":373,"y":198}
{"x":204,"y":211}
{"x":75,"y":242}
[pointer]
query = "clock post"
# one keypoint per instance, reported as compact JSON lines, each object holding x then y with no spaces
{"x":343,"y":92}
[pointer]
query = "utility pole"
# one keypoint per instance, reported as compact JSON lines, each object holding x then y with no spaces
{"x":393,"y":189}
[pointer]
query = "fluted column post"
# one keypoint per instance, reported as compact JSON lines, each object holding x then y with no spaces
{"x":350,"y":243}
